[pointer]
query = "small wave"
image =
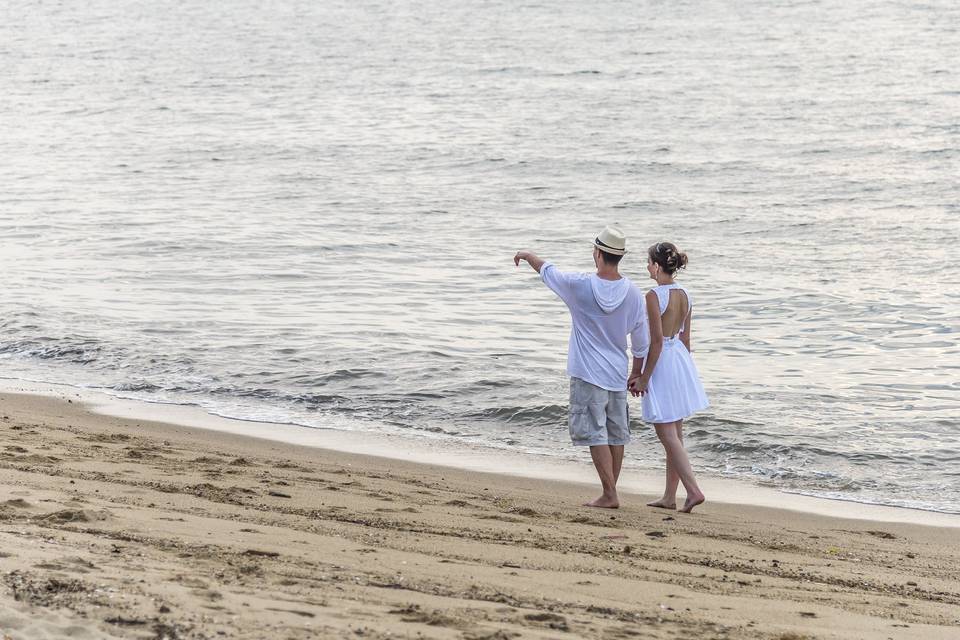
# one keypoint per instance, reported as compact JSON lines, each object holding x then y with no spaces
{"x":81,"y":351}
{"x":489,"y":384}
{"x":551,"y":413}
{"x":136,"y":387}
{"x":509,"y":69}
{"x":579,"y":72}
{"x":349,"y":374}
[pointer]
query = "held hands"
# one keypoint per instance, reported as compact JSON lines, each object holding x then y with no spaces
{"x":638,"y":385}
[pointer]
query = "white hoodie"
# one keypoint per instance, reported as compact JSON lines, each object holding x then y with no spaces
{"x":603,"y":313}
{"x":609,"y":294}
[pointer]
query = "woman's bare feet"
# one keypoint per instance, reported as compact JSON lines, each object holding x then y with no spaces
{"x":692,"y":501}
{"x":604,"y":502}
{"x":663,"y":503}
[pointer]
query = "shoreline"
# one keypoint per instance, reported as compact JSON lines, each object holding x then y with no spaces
{"x":113,"y":527}
{"x":435,"y":452}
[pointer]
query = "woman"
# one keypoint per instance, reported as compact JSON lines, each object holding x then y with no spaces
{"x":667,"y":377}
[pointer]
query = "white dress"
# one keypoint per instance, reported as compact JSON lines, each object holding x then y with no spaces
{"x":675,"y":391}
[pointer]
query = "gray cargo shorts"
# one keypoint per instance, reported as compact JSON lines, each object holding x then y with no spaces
{"x":598,"y":416}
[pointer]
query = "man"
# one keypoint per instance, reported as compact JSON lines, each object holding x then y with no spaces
{"x":604,"y":307}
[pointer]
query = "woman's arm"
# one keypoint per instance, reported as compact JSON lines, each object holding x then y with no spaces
{"x":656,"y":344}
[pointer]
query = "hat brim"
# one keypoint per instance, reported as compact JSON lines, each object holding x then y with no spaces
{"x":606,"y":249}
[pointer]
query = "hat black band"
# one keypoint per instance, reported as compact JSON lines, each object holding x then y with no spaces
{"x":604,"y":244}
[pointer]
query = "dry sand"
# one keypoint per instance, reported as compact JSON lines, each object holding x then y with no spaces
{"x":112,"y":527}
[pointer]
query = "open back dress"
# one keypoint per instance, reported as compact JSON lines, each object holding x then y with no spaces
{"x":674,"y":391}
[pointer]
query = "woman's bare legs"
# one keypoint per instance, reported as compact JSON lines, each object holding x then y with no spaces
{"x":669,"y":499}
{"x":669,"y":435}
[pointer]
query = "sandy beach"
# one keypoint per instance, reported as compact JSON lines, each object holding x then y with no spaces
{"x":115,"y":527}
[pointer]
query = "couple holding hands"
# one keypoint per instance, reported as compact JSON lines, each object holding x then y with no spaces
{"x":606,"y":307}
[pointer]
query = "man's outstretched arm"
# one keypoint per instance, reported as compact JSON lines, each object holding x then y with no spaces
{"x":535,"y":261}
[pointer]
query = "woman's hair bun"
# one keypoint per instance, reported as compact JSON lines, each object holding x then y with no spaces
{"x":668,"y":257}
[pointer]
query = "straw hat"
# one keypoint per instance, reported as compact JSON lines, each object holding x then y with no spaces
{"x":611,"y":240}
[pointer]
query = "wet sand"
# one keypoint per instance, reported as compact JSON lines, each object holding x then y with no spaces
{"x":117,"y":527}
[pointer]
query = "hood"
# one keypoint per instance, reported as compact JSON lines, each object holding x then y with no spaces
{"x":609,"y":294}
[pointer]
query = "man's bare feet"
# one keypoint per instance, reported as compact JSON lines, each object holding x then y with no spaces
{"x":604,"y":502}
{"x":691,"y":502}
{"x":662,"y":504}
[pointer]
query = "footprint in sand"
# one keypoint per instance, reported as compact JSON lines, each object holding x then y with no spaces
{"x":499,"y":634}
{"x":139,"y":454}
{"x":591,"y":521}
{"x":35,"y":458}
{"x":482,"y":516}
{"x":551,"y":620}
{"x":303,"y":614}
{"x":66,"y":516}
{"x":882,"y":534}
{"x":73,"y":565}
{"x":434,"y":618}
{"x":108,"y":437}
{"x":192,"y":583}
{"x":290,"y":465}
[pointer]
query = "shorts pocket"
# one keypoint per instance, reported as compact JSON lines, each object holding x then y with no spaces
{"x":588,"y":424}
